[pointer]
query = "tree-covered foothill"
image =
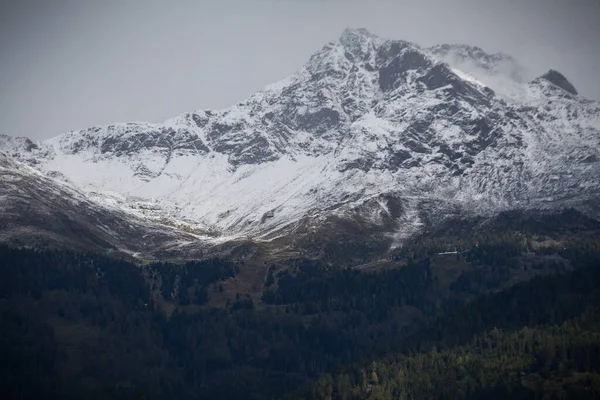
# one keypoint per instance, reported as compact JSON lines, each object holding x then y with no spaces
{"x":76,"y":325}
{"x":554,"y":362}
{"x":538,"y":339}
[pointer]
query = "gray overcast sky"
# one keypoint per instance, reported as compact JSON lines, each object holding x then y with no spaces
{"x":72,"y":64}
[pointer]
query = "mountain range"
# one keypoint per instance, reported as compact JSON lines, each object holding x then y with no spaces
{"x":369,"y":143}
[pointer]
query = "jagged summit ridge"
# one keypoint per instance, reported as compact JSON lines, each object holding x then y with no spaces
{"x":365,"y":123}
{"x":559,"y":80}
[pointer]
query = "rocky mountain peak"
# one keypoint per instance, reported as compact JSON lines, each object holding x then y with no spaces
{"x":364,"y":117}
{"x":559,"y":80}
{"x":353,"y":33}
{"x":358,"y":44}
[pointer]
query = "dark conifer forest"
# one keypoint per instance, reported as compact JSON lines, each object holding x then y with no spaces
{"x":509,"y":312}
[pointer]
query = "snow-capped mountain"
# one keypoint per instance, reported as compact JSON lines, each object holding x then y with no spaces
{"x":378,"y":131}
{"x":41,"y":210}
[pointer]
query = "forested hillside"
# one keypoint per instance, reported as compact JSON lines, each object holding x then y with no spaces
{"x":80,"y":325}
{"x":539,"y":339}
{"x":553,"y":362}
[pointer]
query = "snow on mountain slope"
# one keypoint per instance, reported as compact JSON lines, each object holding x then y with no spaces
{"x":40,"y":210}
{"x":499,"y":71}
{"x":365,"y":120}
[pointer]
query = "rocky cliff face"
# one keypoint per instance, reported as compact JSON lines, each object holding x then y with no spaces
{"x":366,"y":125}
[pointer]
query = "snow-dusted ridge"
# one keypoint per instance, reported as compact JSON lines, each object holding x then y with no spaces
{"x":36,"y":209}
{"x":365,"y":120}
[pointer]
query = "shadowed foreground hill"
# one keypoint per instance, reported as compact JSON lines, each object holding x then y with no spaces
{"x":540,"y":339}
{"x":77,"y":325}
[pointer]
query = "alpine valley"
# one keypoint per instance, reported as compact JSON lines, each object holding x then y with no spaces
{"x":371,"y":141}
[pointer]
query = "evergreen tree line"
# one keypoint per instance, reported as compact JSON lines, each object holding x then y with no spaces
{"x":539,"y":339}
{"x":188,"y":283}
{"x":549,"y":362}
{"x":82,"y":325}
